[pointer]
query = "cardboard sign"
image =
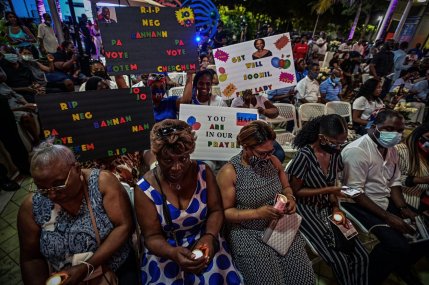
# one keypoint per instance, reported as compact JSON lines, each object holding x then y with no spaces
{"x":260,"y":65}
{"x":149,"y":39}
{"x":98,"y":124}
{"x":216,"y":129}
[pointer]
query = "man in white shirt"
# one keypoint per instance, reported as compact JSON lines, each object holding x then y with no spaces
{"x":308,"y":88}
{"x":345,"y":46}
{"x":371,"y":165}
{"x":47,"y":39}
{"x":359,"y":47}
{"x":400,"y":61}
{"x":322,"y":45}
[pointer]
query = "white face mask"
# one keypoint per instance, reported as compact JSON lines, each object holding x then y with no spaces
{"x":27,"y":57}
{"x":388,"y":139}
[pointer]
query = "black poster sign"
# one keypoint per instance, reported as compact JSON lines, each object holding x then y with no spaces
{"x":98,"y":124}
{"x":149,"y":39}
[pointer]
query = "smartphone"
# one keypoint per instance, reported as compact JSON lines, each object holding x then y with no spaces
{"x":350,"y":192}
{"x":347,"y":232}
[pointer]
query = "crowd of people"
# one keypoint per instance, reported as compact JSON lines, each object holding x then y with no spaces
{"x":80,"y":222}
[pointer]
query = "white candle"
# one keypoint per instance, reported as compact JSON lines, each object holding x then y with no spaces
{"x":54,"y":280}
{"x":198,"y":253}
{"x":338,"y":217}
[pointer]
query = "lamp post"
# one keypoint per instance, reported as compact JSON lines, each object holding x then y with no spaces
{"x":386,"y":21}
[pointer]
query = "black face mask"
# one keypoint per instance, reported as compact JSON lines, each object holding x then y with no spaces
{"x":102,"y":74}
{"x":329,"y":149}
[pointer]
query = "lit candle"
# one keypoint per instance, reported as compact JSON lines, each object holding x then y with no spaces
{"x":338,"y":217}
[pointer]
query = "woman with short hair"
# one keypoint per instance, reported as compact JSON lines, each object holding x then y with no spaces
{"x":249,"y":184}
{"x":180,"y":213}
{"x":56,"y":224}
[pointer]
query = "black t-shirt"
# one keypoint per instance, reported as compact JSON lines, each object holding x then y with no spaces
{"x":383,"y":62}
{"x":218,"y":39}
{"x":21,"y":77}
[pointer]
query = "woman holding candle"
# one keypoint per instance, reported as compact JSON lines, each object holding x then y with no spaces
{"x":249,"y":184}
{"x":313,"y":174}
{"x":179,"y":210}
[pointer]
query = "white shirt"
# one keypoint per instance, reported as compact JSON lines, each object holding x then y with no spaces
{"x":359,"y":48}
{"x":215,"y":101}
{"x":362,"y":104}
{"x":260,"y":102}
{"x":46,"y":33}
{"x":366,"y":170}
{"x":322,"y":49}
{"x":308,"y":89}
{"x":344,"y":47}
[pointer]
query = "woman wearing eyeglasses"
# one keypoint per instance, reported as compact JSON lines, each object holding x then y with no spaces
{"x":313,"y":174}
{"x":55,"y":225}
{"x":179,"y":210}
{"x":249,"y":184}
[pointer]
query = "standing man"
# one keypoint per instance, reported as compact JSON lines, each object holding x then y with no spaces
{"x":400,"y":60}
{"x":322,"y":44}
{"x":382,"y":65}
{"x":371,"y":165}
{"x":47,"y":39}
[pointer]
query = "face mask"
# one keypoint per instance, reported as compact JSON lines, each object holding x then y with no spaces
{"x":336,"y":80}
{"x":101,"y":74}
{"x":424,"y":145}
{"x":27,"y":57}
{"x":257,"y":162}
{"x":11,"y":57}
{"x":329,"y":149}
{"x":389,"y":139}
{"x":160,"y":93}
{"x":313,"y":75}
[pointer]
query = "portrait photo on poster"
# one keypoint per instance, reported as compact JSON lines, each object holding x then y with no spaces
{"x":106,"y":15}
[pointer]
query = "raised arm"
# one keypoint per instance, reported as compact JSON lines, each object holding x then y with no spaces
{"x":187,"y":92}
{"x":34,"y":268}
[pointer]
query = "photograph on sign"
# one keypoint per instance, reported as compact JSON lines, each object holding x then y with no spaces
{"x":216,"y":129}
{"x":98,"y":124}
{"x":260,"y":65}
{"x":148,"y":39}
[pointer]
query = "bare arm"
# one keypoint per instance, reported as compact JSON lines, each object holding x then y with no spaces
{"x":372,"y":70}
{"x":31,"y":39}
{"x":34,"y":268}
{"x":270,"y":111}
{"x":356,"y":117}
{"x":300,"y":191}
{"x":187,"y":92}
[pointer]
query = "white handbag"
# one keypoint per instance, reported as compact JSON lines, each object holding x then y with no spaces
{"x":281,"y":233}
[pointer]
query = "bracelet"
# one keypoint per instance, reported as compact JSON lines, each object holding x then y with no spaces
{"x":89,"y":267}
{"x":212,"y":235}
{"x":291,"y":196}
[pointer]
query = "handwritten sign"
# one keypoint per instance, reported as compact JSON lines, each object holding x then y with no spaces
{"x":150,"y":39}
{"x":216,"y":129}
{"x":98,"y":124}
{"x":260,"y":65}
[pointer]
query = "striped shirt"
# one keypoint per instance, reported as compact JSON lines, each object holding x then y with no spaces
{"x":306,"y":167}
{"x":411,"y":194}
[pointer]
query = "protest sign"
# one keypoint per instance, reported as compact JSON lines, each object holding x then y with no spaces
{"x":149,"y":39}
{"x":260,"y":65}
{"x":216,"y":129}
{"x":98,"y":124}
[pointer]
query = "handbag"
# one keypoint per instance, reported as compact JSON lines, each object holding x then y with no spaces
{"x":281,"y":233}
{"x":106,"y":275}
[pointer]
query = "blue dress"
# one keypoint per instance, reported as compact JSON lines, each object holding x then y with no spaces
{"x":190,"y":225}
{"x":63,"y":235}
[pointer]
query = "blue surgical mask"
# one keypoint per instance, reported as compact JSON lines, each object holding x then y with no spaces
{"x":388,"y":139}
{"x":11,"y":57}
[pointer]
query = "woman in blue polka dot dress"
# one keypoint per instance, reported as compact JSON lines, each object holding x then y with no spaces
{"x":179,"y":210}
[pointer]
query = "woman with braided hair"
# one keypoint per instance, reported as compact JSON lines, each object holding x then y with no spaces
{"x":313,"y":173}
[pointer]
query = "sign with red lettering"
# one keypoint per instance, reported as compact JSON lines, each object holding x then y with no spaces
{"x":149,"y":39}
{"x":98,"y":124}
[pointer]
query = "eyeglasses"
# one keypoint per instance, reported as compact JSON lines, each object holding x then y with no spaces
{"x":164,"y":132}
{"x":336,"y":145}
{"x":45,"y":191}
{"x":264,"y":154}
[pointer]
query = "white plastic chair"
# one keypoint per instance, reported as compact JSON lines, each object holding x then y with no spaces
{"x":178,"y":77}
{"x":285,"y":140}
{"x":176,"y":91}
{"x":344,"y":109}
{"x":287,"y":112}
{"x":309,"y":111}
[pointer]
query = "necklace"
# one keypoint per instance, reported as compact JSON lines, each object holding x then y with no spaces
{"x":177,"y":187}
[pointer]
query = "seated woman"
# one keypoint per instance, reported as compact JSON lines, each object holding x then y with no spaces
{"x":414,"y":166}
{"x":179,"y":210}
{"x":200,"y":90}
{"x":97,"y":68}
{"x":249,"y":184}
{"x":19,"y":35}
{"x":96,"y":83}
{"x":367,"y":101}
{"x":56,"y":224}
{"x":37,"y":69}
{"x":313,"y":175}
{"x":165,"y":107}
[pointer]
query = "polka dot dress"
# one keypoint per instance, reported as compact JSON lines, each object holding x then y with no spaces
{"x":189,"y":226}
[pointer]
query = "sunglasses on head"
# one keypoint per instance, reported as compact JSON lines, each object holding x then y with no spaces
{"x":164,"y":132}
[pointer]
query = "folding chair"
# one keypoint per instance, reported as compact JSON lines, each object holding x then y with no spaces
{"x":287,"y":112}
{"x":344,"y":109}
{"x":309,"y":111}
{"x":176,"y":91}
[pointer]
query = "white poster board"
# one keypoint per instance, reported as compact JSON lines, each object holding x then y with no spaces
{"x":216,"y":129}
{"x":239,"y":67}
